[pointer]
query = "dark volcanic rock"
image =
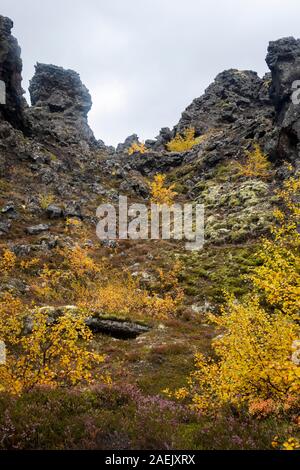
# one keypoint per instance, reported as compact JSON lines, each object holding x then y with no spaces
{"x":233,"y":96}
{"x":153,"y":162}
{"x":234,"y":112}
{"x":9,"y":208}
{"x":73,"y":209}
{"x":284,"y":61}
{"x":11,"y":75}
{"x":54,"y":211}
{"x":116,"y":328}
{"x":122,"y":148}
{"x":60,"y":104}
{"x":134,"y":182}
{"x":49,"y":148}
{"x":37,"y":229}
{"x":165,"y":135}
{"x":4,"y":227}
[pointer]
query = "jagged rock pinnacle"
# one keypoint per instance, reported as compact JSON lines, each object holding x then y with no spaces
{"x":60,"y":104}
{"x":11,"y":75}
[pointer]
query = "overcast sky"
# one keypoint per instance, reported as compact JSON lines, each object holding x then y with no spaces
{"x":144,"y":61}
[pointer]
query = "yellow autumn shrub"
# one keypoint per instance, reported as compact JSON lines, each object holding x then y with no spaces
{"x":290,"y":444}
{"x":29,"y":265}
{"x":160,"y":193}
{"x":169,"y":280}
{"x":52,"y":353}
{"x":278,"y":279}
{"x":184,"y":142}
{"x":254,"y":358}
{"x":79,"y":263}
{"x":96,"y":287}
{"x":46,"y":200}
{"x":56,"y":351}
{"x":137,"y":147}
{"x":256,"y":164}
{"x":123,"y":297}
{"x":257,"y":355}
{"x":76,"y":229}
{"x":8,"y":262}
{"x":74,"y":272}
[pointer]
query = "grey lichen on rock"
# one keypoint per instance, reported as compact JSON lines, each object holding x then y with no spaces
{"x":236,"y":210}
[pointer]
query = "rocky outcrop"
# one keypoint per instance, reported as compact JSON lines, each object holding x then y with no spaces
{"x":247,"y":205}
{"x":151,"y":163}
{"x":159,"y":144}
{"x":131,"y":139}
{"x":235,"y":96}
{"x":117,"y":328}
{"x":54,"y":151}
{"x":234,"y":112}
{"x":11,"y":75}
{"x":60,"y":105}
{"x":283,"y":60}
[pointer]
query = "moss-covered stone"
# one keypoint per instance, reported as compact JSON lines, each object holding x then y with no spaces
{"x":207,"y":274}
{"x":236,"y":210}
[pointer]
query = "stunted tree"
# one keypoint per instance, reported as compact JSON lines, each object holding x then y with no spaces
{"x":50,"y":352}
{"x":256,"y":164}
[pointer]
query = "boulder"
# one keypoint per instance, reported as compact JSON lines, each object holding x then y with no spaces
{"x":150,"y":163}
{"x":9,"y":208}
{"x":37,"y":229}
{"x":159,"y":144}
{"x":54,"y":211}
{"x":116,"y":328}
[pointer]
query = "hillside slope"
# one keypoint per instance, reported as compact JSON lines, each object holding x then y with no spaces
{"x":54,"y":174}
